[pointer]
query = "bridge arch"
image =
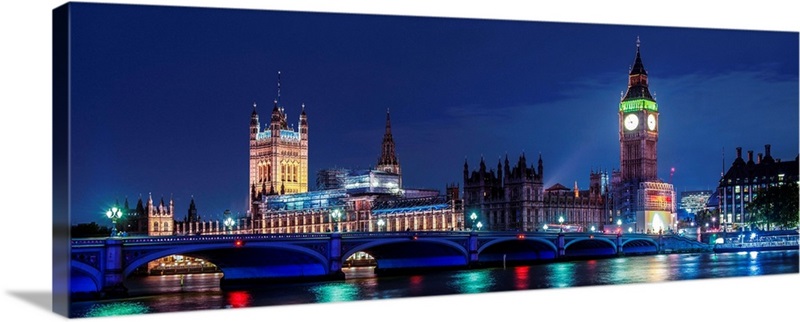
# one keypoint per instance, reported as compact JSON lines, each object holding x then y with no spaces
{"x":646,"y":240}
{"x":81,"y":275}
{"x":515,"y":249}
{"x":198,"y":250}
{"x":377,"y":243}
{"x":544,"y":241}
{"x":640,"y":245}
{"x":604,"y":240}
{"x":590,"y":246}
{"x":409,"y":254}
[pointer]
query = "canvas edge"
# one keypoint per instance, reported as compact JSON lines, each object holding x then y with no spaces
{"x":60,"y":147}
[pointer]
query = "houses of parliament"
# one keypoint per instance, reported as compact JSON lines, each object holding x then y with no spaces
{"x":510,"y":197}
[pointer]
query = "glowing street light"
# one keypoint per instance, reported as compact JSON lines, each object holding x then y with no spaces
{"x":114,"y":213}
{"x":630,"y":230}
{"x":592,"y":228}
{"x":228,"y":224}
{"x":337,"y":214}
{"x":545,"y":227}
{"x":480,"y":225}
{"x":380,"y":224}
{"x":561,"y":223}
{"x":473,"y":217}
{"x":619,"y":222}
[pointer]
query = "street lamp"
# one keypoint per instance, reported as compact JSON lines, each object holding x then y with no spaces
{"x":713,"y":222}
{"x":228,"y":224}
{"x":592,"y":228}
{"x":479,"y":225}
{"x":545,"y":227}
{"x":473,"y":217}
{"x":336,"y":216}
{"x":561,"y":223}
{"x":380,"y":224}
{"x":630,"y":230}
{"x":114,"y":213}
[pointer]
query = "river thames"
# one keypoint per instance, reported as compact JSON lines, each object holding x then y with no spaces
{"x":201,"y":291}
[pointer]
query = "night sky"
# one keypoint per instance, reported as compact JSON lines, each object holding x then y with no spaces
{"x":162,"y":96}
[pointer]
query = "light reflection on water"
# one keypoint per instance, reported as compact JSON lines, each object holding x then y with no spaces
{"x":201,"y":291}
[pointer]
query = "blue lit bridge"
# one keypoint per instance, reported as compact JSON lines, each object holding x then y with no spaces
{"x":100,"y":265}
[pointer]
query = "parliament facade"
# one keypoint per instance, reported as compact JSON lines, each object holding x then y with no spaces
{"x":360,"y":200}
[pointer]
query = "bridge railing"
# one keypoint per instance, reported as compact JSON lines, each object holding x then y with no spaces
{"x":255,"y":237}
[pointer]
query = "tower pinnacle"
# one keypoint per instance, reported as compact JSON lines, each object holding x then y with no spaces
{"x":388,"y":161}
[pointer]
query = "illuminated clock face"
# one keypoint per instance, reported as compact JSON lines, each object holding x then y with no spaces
{"x":651,"y":122}
{"x":631,"y":122}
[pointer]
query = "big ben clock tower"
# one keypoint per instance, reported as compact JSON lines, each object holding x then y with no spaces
{"x":641,"y":200}
{"x":638,"y":127}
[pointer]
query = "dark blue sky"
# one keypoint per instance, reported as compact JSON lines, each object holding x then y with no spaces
{"x":162,"y":97}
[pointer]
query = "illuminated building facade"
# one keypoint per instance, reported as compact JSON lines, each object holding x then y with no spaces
{"x":358,"y":200}
{"x":278,"y":153}
{"x":160,"y":219}
{"x":692,"y":201}
{"x":639,"y":196}
{"x":745,"y":180}
{"x":510,"y":199}
{"x":513,"y":199}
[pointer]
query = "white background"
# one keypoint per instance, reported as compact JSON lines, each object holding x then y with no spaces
{"x":26,"y":181}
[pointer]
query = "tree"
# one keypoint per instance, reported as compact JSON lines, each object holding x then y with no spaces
{"x":703,"y":217}
{"x":776,"y":206}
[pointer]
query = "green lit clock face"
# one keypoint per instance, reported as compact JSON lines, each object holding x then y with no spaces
{"x":631,"y":122}
{"x":651,"y":122}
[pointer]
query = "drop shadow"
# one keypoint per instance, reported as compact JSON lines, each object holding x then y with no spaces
{"x":40,"y":299}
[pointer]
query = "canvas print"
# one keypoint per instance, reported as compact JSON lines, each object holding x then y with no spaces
{"x":221,"y":158}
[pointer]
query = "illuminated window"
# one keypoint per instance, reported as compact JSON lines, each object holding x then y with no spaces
{"x":737,"y":189}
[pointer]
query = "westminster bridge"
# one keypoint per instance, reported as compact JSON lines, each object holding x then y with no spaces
{"x":102,"y":264}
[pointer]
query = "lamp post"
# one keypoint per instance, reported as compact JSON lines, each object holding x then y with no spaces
{"x":380,"y":224}
{"x":479,"y":225}
{"x":713,"y":222}
{"x":228,"y":224}
{"x":473,"y":217}
{"x":561,"y":223}
{"x":336,"y":216}
{"x":545,"y":227}
{"x":592,"y":228}
{"x":114,"y":213}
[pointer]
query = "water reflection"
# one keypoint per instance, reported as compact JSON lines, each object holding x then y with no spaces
{"x":201,"y":291}
{"x":561,"y":274}
{"x":335,"y":292}
{"x":113,"y":309}
{"x":521,"y":277}
{"x":237,"y":299}
{"x":472,"y":281}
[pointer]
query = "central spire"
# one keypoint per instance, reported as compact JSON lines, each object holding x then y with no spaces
{"x":278,"y":99}
{"x":388,"y":157}
{"x":388,"y":161}
{"x":637,"y":78}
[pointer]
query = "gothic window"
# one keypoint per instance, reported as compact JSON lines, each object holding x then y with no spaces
{"x":155,"y":226}
{"x":269,"y":172}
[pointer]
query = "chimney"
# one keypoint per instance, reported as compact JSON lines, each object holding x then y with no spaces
{"x":759,"y":157}
{"x":766,"y":151}
{"x":739,"y":152}
{"x":750,"y":156}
